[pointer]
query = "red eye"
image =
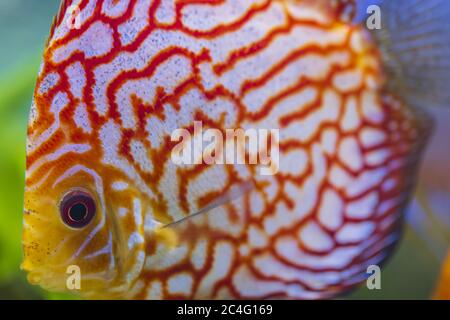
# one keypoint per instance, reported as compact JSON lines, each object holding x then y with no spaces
{"x":77,"y":209}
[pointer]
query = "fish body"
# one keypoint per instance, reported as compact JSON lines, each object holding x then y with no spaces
{"x":112,"y":90}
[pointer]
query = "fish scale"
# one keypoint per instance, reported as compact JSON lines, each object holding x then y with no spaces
{"x":137,"y":70}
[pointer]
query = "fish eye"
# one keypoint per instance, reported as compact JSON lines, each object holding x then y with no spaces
{"x":77,"y":209}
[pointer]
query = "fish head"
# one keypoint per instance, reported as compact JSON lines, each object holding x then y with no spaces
{"x":83,"y":229}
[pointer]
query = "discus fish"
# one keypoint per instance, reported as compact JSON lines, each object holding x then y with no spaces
{"x":118,"y":77}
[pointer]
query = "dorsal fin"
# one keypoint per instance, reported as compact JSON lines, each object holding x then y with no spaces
{"x":65,"y":4}
{"x":415,"y":46}
{"x":343,"y":10}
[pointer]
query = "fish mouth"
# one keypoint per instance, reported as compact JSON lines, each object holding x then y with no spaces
{"x":46,"y":279}
{"x":61,"y":282}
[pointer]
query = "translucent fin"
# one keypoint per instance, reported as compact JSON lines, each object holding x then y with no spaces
{"x":232,"y":194}
{"x":166,"y":236}
{"x":415,"y":45}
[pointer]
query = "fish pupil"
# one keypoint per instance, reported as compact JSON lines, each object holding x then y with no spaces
{"x":77,"y":209}
{"x":78,"y":212}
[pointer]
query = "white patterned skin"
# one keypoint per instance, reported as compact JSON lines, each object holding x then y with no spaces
{"x":110,"y":94}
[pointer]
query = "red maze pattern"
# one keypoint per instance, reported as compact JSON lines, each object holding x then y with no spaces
{"x":276,"y":241}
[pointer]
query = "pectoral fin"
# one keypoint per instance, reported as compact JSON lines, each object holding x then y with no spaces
{"x":235,"y":192}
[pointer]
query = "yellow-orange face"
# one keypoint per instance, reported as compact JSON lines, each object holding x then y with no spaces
{"x":83,"y":229}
